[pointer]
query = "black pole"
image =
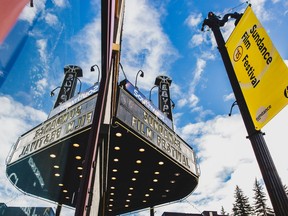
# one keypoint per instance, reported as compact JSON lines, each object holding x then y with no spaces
{"x":270,"y":176}
{"x":58,"y":209}
{"x":85,"y":192}
{"x":151,"y":211}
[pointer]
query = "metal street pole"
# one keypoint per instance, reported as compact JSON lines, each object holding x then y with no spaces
{"x":58,"y":209}
{"x":270,"y":176}
{"x":85,"y":193}
{"x":151,"y":211}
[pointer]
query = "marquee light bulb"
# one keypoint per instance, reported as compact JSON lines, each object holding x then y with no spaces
{"x":52,"y":155}
{"x":119,"y":134}
{"x":76,"y":145}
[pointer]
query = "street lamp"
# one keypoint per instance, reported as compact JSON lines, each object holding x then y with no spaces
{"x":92,"y":69}
{"x":122,"y":70}
{"x":141,"y":75}
{"x":151,"y":91}
{"x":52,"y":92}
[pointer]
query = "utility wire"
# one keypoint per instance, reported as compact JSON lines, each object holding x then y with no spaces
{"x":186,"y":200}
{"x":234,"y":8}
{"x":16,"y":197}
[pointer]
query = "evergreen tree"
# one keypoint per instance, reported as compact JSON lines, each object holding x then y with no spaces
{"x":223,"y":212}
{"x":241,"y":207}
{"x":260,"y":207}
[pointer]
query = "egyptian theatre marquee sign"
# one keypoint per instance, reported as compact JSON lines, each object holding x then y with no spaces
{"x":55,"y":129}
{"x":149,"y":126}
{"x":260,"y":70}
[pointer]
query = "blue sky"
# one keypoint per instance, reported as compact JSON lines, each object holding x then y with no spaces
{"x":160,"y":38}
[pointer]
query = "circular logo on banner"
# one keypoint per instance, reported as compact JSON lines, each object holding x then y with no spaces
{"x":238,"y":53}
{"x":286,"y":92}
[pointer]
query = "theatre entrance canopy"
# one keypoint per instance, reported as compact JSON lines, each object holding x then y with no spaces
{"x":47,"y":161}
{"x":149,"y":164}
{"x":144,"y":162}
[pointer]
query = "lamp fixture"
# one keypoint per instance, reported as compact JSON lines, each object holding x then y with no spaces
{"x":173,"y":104}
{"x":141,"y":75}
{"x":92,"y":69}
{"x":151,"y":92}
{"x":122,"y":70}
{"x":80,"y":85}
{"x":52,"y":92}
{"x":234,"y":104}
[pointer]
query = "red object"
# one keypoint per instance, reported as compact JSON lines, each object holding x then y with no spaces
{"x":9,"y":12}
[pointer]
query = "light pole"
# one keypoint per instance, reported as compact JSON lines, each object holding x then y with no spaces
{"x":271,"y":178}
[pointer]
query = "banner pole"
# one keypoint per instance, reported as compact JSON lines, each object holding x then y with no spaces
{"x":270,"y":175}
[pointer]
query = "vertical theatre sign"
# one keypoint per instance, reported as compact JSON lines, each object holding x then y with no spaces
{"x":164,"y":101}
{"x":260,"y":70}
{"x":69,"y":84}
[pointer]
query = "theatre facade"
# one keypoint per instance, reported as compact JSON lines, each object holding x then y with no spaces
{"x":144,"y":162}
{"x":107,"y":150}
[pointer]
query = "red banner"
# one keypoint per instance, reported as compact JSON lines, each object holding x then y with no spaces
{"x":9,"y":12}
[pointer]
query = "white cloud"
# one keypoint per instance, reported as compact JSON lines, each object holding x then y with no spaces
{"x":87,"y":46}
{"x":29,"y":13}
{"x":229,"y":97}
{"x":145,"y":45}
{"x":41,"y":86}
{"x":42,"y":46}
{"x":208,"y":55}
{"x":189,"y":98}
{"x":16,"y":119}
{"x":227,"y":29}
{"x":200,"y":65}
{"x":193,"y":100}
{"x":182,"y":102}
{"x":261,"y":12}
{"x":61,"y":3}
{"x":193,"y":20}
{"x":201,"y":113}
{"x":197,"y":39}
{"x":176,"y":119}
{"x":51,"y":19}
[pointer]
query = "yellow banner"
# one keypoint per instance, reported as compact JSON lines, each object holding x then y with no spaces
{"x":260,"y":70}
